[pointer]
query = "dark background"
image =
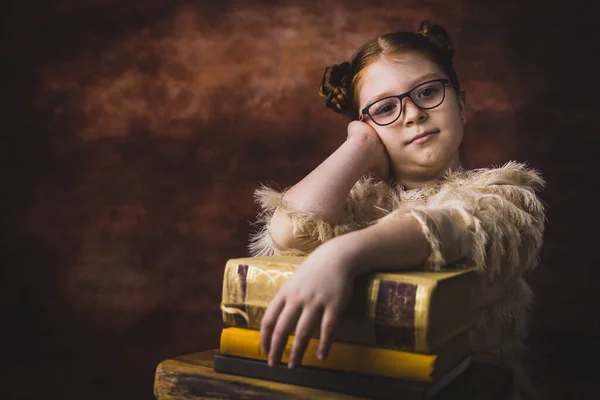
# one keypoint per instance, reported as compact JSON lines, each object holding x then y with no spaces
{"x":134,"y":134}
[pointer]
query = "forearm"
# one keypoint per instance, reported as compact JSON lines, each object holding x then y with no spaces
{"x":323,"y":192}
{"x":394,"y":243}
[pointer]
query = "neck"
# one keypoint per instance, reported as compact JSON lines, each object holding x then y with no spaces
{"x":426,"y":180}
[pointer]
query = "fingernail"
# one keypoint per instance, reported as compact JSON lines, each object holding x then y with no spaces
{"x":291,"y":365}
{"x":321,"y":355}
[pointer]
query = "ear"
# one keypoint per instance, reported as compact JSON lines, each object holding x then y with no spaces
{"x":462,"y":101}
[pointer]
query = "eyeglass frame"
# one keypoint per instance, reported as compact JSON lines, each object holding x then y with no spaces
{"x":365,"y":111}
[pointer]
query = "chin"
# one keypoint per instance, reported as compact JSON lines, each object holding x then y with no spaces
{"x":430,"y":169}
{"x":430,"y":162}
{"x":434,"y":159}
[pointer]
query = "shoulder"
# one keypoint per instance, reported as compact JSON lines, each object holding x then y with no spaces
{"x":513,"y":173}
{"x":512,"y":185}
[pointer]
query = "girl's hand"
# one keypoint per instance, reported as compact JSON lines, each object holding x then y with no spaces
{"x":380,"y":163}
{"x":317,"y":292}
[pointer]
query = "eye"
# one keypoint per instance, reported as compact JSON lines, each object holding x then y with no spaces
{"x":385,"y":108}
{"x":428,"y":91}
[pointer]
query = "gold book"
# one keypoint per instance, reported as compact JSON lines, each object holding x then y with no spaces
{"x":415,"y":311}
{"x":354,"y":358}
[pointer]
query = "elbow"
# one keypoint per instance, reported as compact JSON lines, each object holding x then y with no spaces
{"x":281,"y":229}
{"x":448,"y":233}
{"x":287,"y":236}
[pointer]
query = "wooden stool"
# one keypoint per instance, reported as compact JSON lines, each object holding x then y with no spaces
{"x":192,"y":377}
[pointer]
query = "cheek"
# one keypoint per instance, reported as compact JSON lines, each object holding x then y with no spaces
{"x":392,"y":139}
{"x":452,"y":120}
{"x":454,"y":113}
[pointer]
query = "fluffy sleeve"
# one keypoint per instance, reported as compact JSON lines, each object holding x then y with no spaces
{"x":490,"y":219}
{"x":299,"y":232}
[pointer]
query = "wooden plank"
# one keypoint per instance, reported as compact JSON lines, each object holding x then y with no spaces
{"x":191,"y":377}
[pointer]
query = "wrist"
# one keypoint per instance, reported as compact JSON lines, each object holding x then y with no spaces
{"x":367,"y":148}
{"x":347,"y":250}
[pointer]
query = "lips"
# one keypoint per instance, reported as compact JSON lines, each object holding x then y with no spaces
{"x":423,"y":134}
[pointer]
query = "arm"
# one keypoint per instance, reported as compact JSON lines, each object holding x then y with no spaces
{"x":323,"y":192}
{"x":493,"y":222}
{"x":322,"y":284}
{"x":314,"y":210}
{"x":394,"y":243}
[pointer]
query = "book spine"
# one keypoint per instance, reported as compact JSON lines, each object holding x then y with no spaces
{"x":392,"y":313}
{"x":342,"y":356}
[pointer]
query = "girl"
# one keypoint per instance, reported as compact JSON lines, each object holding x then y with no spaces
{"x":394,"y":196}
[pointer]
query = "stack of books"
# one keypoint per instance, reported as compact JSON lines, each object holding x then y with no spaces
{"x":403,"y":334}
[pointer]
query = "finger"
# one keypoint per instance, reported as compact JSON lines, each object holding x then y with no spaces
{"x":328,"y":323}
{"x":268,"y":322}
{"x":306,"y":324}
{"x":285,"y":325}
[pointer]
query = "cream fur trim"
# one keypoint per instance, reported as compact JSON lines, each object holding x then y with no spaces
{"x":435,"y":261}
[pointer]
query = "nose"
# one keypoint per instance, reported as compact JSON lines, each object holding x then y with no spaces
{"x":412,"y":114}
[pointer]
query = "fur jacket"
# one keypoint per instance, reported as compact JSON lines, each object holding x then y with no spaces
{"x":492,"y":216}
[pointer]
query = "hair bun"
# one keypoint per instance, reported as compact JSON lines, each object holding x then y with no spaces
{"x":438,"y":36}
{"x":334,"y":86}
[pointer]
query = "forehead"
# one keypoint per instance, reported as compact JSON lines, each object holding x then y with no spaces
{"x":389,"y":77}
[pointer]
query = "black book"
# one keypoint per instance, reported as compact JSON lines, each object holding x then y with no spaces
{"x":374,"y":387}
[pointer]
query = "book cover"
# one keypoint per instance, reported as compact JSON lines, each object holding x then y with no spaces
{"x":409,"y":310}
{"x":353,"y":358}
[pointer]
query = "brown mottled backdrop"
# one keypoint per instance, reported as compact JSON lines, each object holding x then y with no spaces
{"x":134,"y":133}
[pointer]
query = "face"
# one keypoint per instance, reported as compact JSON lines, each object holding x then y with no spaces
{"x":426,"y":158}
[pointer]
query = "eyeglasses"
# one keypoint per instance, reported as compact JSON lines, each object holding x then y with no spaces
{"x":426,"y":96}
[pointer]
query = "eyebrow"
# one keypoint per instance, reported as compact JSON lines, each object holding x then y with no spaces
{"x":413,"y":84}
